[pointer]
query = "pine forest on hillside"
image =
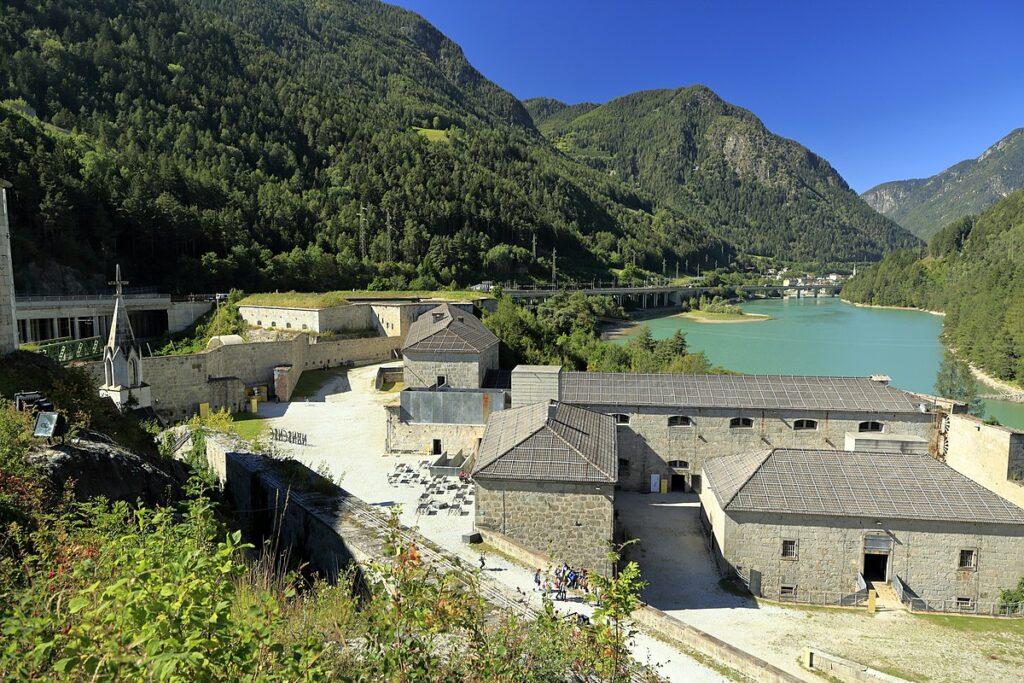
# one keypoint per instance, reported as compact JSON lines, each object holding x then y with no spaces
{"x":218,"y":142}
{"x":208,"y":144}
{"x":925,"y":205}
{"x":717,"y":163}
{"x":974,"y":271}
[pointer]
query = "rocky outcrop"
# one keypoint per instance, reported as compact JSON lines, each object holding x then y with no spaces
{"x":96,"y":466}
{"x":926,"y":205}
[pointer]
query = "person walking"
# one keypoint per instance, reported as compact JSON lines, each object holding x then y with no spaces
{"x":482,"y":563}
{"x":536,"y":579}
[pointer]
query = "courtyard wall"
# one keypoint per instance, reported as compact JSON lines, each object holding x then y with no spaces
{"x":180,"y":383}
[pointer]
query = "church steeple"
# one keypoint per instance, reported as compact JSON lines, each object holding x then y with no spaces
{"x":122,"y":361}
{"x":121,"y":335}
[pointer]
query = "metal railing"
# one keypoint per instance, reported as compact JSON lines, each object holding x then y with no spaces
{"x":990,"y":608}
{"x":134,"y":293}
{"x":832,"y":598}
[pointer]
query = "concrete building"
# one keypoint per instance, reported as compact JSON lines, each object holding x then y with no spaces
{"x":8,"y":331}
{"x":669,"y":426}
{"x":545,"y":478}
{"x":821,"y":525}
{"x":447,"y":347}
{"x":79,"y":316}
{"x":122,"y":363}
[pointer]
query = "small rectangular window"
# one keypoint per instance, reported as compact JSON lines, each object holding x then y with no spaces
{"x":621,"y":419}
{"x":968,"y":559}
{"x":965,"y":604}
{"x":623,"y":466}
{"x":787,"y":590}
{"x":789,"y":549}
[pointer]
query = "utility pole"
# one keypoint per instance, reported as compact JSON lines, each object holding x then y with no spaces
{"x":554,"y":268}
{"x":534,"y":246}
{"x":391,"y":236}
{"x":362,"y":231}
{"x":677,"y":269}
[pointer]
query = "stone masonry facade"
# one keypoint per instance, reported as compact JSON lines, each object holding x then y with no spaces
{"x":924,"y":555}
{"x":460,"y":370}
{"x":569,"y":522}
{"x":648,"y":443}
{"x":418,"y":437}
{"x":991,"y":455}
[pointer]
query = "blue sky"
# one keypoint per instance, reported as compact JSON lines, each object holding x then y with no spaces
{"x":883,"y":90}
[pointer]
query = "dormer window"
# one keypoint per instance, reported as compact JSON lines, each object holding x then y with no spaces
{"x":741,"y":423}
{"x":679,"y":421}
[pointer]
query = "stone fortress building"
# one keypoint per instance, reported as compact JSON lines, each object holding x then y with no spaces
{"x":450,"y":359}
{"x":822,"y":525}
{"x":545,"y":476}
{"x":811,"y":488}
{"x":670,"y":425}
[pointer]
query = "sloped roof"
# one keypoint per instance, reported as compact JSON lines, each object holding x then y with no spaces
{"x":121,"y":334}
{"x":859,"y":394}
{"x":549,"y":442}
{"x":853,"y":484}
{"x":448,"y":329}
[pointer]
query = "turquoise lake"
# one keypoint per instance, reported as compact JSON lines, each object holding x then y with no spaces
{"x":826,"y":336}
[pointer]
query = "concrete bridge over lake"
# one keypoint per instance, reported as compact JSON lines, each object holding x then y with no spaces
{"x":658,"y":295}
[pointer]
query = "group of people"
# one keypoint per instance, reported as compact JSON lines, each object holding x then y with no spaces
{"x":561,"y":580}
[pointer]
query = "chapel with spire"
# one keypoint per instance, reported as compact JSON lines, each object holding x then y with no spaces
{"x":122,"y":361}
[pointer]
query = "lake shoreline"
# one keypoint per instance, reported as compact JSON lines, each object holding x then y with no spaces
{"x":610,"y":331}
{"x":696,"y":317}
{"x":895,"y":308}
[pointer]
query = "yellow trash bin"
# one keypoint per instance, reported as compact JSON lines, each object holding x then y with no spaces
{"x":664,"y":485}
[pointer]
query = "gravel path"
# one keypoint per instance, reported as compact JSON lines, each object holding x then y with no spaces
{"x":675,"y":560}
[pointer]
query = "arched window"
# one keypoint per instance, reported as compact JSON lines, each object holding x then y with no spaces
{"x":805,"y":425}
{"x":288,"y":325}
{"x":870,"y":426}
{"x":741,"y":423}
{"x":679,"y":421}
{"x":679,"y":464}
{"x":621,"y":419}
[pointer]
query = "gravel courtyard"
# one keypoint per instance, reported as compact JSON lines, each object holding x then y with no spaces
{"x":683,"y":582}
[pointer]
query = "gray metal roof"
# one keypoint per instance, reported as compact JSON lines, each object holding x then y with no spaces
{"x":447,"y":329}
{"x":549,"y":442}
{"x":859,"y":394}
{"x":853,"y":484}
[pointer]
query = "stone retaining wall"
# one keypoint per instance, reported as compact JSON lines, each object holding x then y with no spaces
{"x":180,"y":383}
{"x":843,"y":669}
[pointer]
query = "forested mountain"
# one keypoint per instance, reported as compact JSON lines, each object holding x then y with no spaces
{"x":216,"y":143}
{"x":924,"y":205}
{"x":718,"y":163}
{"x":974,"y":271}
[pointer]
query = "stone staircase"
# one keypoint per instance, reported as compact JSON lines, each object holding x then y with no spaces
{"x":887,"y":598}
